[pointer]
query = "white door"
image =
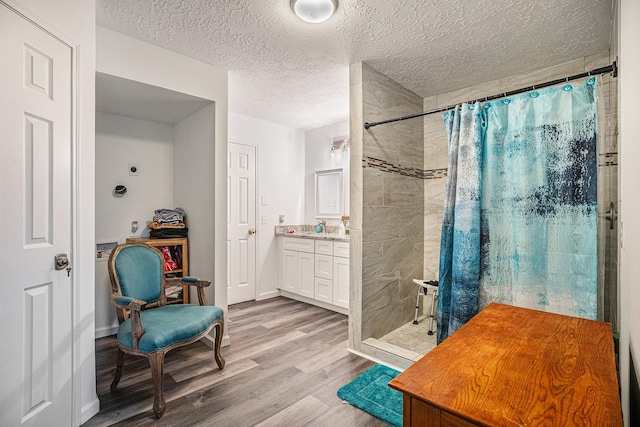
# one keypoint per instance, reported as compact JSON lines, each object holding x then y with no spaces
{"x":241,"y":227}
{"x":35,"y":171}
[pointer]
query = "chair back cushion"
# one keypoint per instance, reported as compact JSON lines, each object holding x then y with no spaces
{"x":139,"y":270}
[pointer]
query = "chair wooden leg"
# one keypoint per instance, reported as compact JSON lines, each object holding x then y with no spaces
{"x":219,"y":328}
{"x":119,"y":368}
{"x":156,"y":360}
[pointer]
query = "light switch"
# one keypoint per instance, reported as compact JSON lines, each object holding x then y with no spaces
{"x":263,"y":219}
{"x":264,"y":200}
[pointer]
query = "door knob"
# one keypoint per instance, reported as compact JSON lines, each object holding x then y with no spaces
{"x":252,"y":231}
{"x":62,"y":261}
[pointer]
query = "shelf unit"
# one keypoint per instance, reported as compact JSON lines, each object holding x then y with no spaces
{"x":177,"y":245}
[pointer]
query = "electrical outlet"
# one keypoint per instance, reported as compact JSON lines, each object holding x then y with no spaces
{"x":281,"y":218}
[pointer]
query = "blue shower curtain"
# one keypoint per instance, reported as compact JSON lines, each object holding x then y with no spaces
{"x":520,"y":214}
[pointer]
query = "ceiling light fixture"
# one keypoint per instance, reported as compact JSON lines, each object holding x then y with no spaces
{"x":314,"y":11}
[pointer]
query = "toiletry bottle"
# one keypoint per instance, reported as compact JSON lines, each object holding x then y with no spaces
{"x":341,"y":229}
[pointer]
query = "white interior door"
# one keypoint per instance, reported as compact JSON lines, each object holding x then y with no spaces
{"x":35,"y":172}
{"x":241,"y":227}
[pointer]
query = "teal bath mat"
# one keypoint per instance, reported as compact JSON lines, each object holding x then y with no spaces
{"x":370,"y":392}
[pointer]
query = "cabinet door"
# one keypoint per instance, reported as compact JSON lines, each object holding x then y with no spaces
{"x":305,"y":275}
{"x":324,"y":267}
{"x":341,"y":282}
{"x":290,"y":270}
{"x":324,"y":290}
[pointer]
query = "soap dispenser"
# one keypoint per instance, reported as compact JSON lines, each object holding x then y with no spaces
{"x":342,"y":229}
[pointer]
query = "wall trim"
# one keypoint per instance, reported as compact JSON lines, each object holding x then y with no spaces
{"x":385,"y":166}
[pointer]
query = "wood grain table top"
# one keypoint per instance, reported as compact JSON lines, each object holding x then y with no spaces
{"x":512,"y":366}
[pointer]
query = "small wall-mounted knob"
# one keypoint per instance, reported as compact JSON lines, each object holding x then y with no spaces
{"x":120,"y":190}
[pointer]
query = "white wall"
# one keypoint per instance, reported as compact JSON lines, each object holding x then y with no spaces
{"x":123,"y":56}
{"x":629,"y":15}
{"x":281,"y":163}
{"x":317,"y":157}
{"x":194,"y":153}
{"x":120,"y":141}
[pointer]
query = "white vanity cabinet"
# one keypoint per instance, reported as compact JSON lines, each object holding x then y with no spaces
{"x":297,"y":266}
{"x":317,"y":270}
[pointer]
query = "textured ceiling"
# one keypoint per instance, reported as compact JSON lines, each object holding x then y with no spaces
{"x":286,"y":71}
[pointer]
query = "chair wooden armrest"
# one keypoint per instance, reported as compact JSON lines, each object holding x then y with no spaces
{"x":192,"y":281}
{"x":135,"y":306}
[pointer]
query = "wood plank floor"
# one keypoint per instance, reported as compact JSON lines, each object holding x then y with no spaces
{"x":285,"y":363}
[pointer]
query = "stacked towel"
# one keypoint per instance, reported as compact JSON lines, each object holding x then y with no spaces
{"x":169,"y":223}
{"x":168,"y":218}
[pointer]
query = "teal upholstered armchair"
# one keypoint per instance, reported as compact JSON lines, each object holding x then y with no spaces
{"x":148,"y":326}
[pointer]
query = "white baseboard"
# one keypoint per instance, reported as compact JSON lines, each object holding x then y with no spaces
{"x":106,"y":331}
{"x":210,"y":342}
{"x":89,"y":410}
{"x":268,"y":295}
{"x":315,"y":302}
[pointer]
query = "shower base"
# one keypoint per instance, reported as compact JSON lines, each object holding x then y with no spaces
{"x":414,"y":338}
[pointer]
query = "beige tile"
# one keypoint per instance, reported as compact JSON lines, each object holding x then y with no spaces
{"x":389,"y":85}
{"x":356,"y":194}
{"x":397,"y":253}
{"x":376,"y":146}
{"x":371,"y":259}
{"x":412,"y":152}
{"x":392,"y":346}
{"x":356,"y":128}
{"x":403,"y":191}
{"x":434,"y":192}
{"x":355,"y":73}
{"x":411,"y":222}
{"x":372,"y":99}
{"x":412,"y":338}
{"x":355,"y":325}
{"x":596,"y":61}
{"x":373,"y":187}
{"x":379,"y":292}
{"x":469,"y":93}
{"x":541,"y":75}
{"x":429,"y":103}
{"x":379,"y":223}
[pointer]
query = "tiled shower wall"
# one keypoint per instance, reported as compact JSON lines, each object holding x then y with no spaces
{"x":435,"y":158}
{"x":389,"y":217}
{"x":387,"y":177}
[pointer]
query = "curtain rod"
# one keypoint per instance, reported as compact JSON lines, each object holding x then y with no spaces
{"x":613,"y":68}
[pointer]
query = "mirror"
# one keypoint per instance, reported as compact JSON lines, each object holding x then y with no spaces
{"x":329,"y":193}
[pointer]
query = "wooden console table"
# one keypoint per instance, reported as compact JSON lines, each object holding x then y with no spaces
{"x":510,"y":366}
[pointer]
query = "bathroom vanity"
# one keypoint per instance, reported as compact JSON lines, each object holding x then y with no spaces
{"x":314,"y":268}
